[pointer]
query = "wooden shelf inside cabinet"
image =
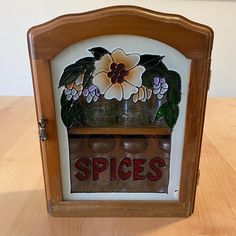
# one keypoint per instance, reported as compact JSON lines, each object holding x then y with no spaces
{"x":120,"y":130}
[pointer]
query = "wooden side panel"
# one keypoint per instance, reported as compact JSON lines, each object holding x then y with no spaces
{"x":45,"y":109}
{"x":198,"y":88}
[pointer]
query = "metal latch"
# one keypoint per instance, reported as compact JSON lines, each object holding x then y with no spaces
{"x":42,"y":131}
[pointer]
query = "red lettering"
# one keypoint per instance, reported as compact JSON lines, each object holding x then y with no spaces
{"x":158,"y":172}
{"x":125,"y":168}
{"x":99,"y":165}
{"x":161,"y":162}
{"x":113,"y":169}
{"x":138,"y":169}
{"x":83,"y":167}
{"x":124,"y":175}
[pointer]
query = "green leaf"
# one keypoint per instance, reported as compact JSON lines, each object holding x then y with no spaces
{"x":154,"y":67}
{"x":63,"y":100}
{"x":160,"y":113}
{"x":68,"y":78}
{"x":70,"y":75}
{"x":98,"y":52}
{"x":64,"y":116}
{"x":171,"y":115}
{"x":173,"y":95}
{"x":169,"y":112}
{"x":65,"y":106}
{"x":174,"y":87}
{"x":175,"y":113}
{"x":150,"y":74}
{"x":71,"y":112}
{"x":71,"y":72}
{"x":148,"y":61}
{"x":162,"y":70}
{"x":147,"y":78}
{"x":176,"y":97}
{"x":174,"y":80}
{"x":75,"y":67}
{"x":85,"y":61}
{"x":88,"y":75}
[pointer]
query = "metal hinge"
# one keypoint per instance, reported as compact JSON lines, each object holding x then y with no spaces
{"x":42,"y":131}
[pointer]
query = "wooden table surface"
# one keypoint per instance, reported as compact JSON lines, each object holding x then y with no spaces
{"x":22,"y":200}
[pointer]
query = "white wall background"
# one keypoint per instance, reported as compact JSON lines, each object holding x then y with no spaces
{"x":16,"y":17}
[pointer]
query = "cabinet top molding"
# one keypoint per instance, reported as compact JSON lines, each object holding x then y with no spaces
{"x":48,"y":39}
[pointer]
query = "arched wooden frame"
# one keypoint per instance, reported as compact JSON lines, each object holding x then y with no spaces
{"x":193,"y":40}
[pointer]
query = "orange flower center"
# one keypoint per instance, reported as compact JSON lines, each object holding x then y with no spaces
{"x":117,"y":73}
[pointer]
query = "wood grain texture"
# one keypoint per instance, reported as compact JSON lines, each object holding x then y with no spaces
{"x":119,"y":130}
{"x":44,"y":103}
{"x":192,"y":39}
{"x":22,"y":200}
{"x":167,"y":28}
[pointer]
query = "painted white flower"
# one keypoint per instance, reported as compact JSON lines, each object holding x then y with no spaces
{"x":159,"y":87}
{"x":91,"y":93}
{"x":117,"y":75}
{"x":143,"y":94}
{"x":74,"y":90}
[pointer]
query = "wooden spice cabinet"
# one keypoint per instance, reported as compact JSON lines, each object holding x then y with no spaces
{"x":192,"y":40}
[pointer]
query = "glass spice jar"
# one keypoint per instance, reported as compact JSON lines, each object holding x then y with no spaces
{"x":133,"y":114}
{"x":101,"y":113}
{"x":154,"y":105}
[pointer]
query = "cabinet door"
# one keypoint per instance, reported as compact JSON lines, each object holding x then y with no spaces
{"x":120,"y":113}
{"x":122,"y":91}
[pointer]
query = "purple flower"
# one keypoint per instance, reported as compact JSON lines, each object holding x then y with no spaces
{"x":74,"y":90}
{"x":91,"y":93}
{"x":159,"y":87}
